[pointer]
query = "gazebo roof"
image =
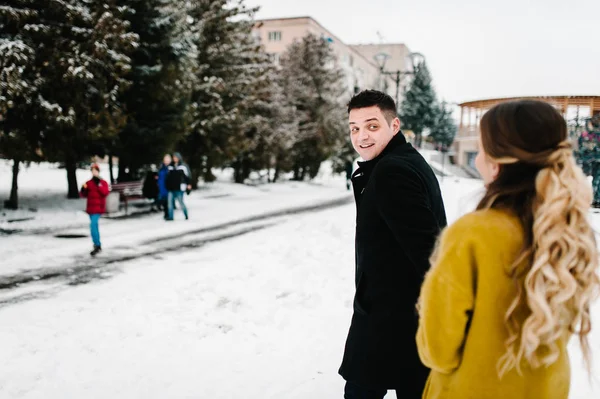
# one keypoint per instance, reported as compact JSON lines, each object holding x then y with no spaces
{"x":560,"y":101}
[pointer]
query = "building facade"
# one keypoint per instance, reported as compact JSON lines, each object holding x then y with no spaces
{"x":358,"y":62}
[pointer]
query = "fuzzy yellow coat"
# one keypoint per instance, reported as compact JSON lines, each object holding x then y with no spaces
{"x":463,"y":301}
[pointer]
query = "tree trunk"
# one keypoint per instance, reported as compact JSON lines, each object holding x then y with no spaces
{"x":208,"y":175}
{"x":110,"y":169}
{"x":122,"y":173}
{"x":237,"y":172}
{"x":246,"y":169}
{"x":71,"y":167}
{"x":13,"y":201}
{"x":302,"y":174}
{"x":195,"y":172}
{"x":418,"y":140}
{"x":276,"y":172}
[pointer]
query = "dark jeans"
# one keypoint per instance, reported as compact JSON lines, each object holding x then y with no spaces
{"x":353,"y":391}
{"x":163,"y":203}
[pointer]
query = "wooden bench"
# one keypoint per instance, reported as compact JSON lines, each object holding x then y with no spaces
{"x":129,"y":190}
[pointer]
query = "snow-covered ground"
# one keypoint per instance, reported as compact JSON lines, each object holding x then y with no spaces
{"x":258,"y":315}
{"x":42,"y":187}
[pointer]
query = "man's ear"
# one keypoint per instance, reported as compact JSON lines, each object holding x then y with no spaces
{"x":396,"y":125}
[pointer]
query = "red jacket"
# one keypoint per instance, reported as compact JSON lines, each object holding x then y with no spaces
{"x":96,"y":196}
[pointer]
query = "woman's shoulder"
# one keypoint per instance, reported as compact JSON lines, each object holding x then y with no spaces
{"x":486,"y":223}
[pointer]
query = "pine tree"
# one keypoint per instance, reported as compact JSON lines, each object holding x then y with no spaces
{"x":284,"y":132}
{"x":444,"y":129}
{"x":80,"y":57}
{"x":231,"y":98}
{"x":18,"y":132}
{"x":418,"y":110}
{"x":313,"y":85}
{"x":162,"y":76}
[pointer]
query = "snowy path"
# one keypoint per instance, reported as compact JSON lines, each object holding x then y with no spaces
{"x":78,"y":268}
{"x":26,"y":255}
{"x":262,"y":315}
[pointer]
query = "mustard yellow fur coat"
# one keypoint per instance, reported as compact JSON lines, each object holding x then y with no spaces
{"x":463,"y":302}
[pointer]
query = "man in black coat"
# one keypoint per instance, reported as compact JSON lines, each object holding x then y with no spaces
{"x":400,"y":214}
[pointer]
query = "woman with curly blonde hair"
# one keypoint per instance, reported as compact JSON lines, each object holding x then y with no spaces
{"x":511,"y":282}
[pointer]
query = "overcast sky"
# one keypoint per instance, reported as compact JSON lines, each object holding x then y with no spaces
{"x":475,"y":48}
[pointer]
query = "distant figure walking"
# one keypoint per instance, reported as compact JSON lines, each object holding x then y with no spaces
{"x":178,"y":182}
{"x":95,"y":190}
{"x":163,"y":192}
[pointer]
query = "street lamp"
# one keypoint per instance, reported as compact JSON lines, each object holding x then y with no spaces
{"x":381,"y":59}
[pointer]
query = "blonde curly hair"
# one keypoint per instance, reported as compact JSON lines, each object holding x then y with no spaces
{"x":556,"y":272}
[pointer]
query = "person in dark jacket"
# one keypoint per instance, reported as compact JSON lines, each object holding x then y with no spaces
{"x":348,"y":166}
{"x":95,"y":190}
{"x":150,"y":187}
{"x":178,"y":182}
{"x":163,"y":193}
{"x":400,"y":214}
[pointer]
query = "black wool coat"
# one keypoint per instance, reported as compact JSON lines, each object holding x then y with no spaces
{"x":400,"y":213}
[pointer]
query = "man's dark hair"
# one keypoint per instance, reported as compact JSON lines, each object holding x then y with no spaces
{"x":370,"y":98}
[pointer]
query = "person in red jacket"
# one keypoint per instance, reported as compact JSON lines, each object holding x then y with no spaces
{"x":95,"y":190}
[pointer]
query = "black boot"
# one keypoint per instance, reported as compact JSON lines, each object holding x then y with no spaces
{"x":96,"y":250}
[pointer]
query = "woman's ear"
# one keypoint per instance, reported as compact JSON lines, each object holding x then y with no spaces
{"x":495,"y":169}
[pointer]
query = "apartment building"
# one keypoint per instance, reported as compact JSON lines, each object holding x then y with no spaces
{"x":360,"y":63}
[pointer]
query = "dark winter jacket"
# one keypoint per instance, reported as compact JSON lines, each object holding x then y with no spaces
{"x":400,"y":214}
{"x":162,"y":181}
{"x":95,"y":190}
{"x":150,"y":187}
{"x":178,"y":177}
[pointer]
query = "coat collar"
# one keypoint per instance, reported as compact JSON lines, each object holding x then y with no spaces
{"x":365,"y":167}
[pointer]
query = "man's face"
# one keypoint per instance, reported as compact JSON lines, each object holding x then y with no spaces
{"x":175,"y":159}
{"x":95,"y":172}
{"x":370,"y":132}
{"x":167,"y":160}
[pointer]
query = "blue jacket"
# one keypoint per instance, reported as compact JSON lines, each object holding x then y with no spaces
{"x":162,"y":181}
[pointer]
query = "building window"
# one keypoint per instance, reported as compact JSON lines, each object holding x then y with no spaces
{"x":275,"y":36}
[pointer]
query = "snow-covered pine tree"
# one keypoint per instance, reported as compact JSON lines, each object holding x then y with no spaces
{"x":231,"y":96}
{"x":418,"y":110}
{"x":80,"y":58}
{"x":444,"y":128}
{"x":18,"y":134}
{"x":284,"y":131}
{"x":313,"y":84}
{"x":162,"y":76}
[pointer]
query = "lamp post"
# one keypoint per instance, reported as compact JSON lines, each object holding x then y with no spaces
{"x":381,"y":59}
